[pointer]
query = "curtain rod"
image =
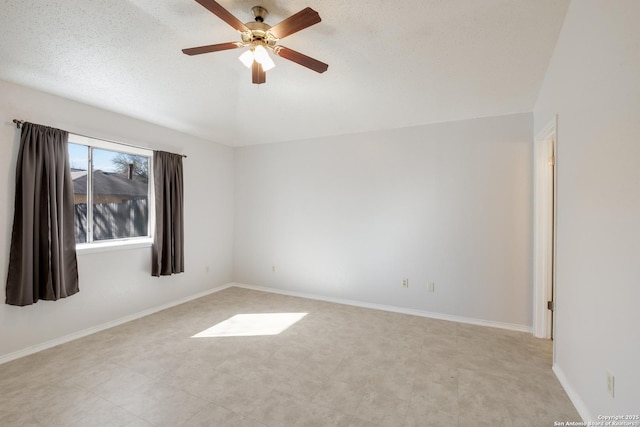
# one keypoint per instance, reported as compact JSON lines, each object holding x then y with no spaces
{"x":20,"y":122}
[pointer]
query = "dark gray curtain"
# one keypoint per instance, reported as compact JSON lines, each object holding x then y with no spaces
{"x":167,"y":255}
{"x":42,"y":259}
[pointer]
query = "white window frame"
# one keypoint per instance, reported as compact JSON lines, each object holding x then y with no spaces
{"x":128,"y":242}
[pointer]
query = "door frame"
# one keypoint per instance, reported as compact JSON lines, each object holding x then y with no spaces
{"x":544,"y":242}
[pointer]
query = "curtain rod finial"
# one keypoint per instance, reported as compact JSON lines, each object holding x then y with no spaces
{"x":18,"y":123}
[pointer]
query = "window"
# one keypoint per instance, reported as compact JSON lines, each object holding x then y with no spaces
{"x":111,"y":202}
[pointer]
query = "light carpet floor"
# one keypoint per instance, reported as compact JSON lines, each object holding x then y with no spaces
{"x":338,"y":365}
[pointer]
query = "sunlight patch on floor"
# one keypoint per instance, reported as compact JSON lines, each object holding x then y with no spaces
{"x":251,"y":325}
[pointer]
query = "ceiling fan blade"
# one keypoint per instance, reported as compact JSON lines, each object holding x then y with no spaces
{"x":301,"y":20}
{"x":257,"y":73}
{"x":299,"y":58}
{"x":223,"y":14}
{"x":211,"y":48}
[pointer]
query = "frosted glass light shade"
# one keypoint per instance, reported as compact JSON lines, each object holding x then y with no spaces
{"x":247,"y":58}
{"x":262,"y":56}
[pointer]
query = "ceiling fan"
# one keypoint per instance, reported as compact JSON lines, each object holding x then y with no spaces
{"x":260,"y":38}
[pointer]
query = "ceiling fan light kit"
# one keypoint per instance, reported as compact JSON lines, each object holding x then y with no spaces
{"x":260,"y":38}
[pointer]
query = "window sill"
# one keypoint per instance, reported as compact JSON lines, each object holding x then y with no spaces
{"x":113,"y":245}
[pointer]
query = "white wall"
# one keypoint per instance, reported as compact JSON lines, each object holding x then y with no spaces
{"x":349,"y":217}
{"x":118,"y":283}
{"x":593,"y":84}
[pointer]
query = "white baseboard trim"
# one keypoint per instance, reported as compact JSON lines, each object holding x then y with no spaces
{"x":92,"y":330}
{"x":575,"y":398}
{"x":394,"y":309}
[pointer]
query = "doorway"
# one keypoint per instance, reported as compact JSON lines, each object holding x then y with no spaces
{"x":545,"y":200}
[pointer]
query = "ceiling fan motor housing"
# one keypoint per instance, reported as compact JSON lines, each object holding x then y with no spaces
{"x":258,"y":34}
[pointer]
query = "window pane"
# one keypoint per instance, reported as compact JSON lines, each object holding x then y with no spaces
{"x":120,"y":195}
{"x":79,"y":163}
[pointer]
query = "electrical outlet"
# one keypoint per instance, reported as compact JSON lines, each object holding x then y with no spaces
{"x":405,"y":283}
{"x":431,"y":287}
{"x":611,"y":384}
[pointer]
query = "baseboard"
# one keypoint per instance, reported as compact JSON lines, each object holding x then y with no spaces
{"x":575,"y":398}
{"x":394,"y":309}
{"x":92,"y":330}
{"x":83,"y":333}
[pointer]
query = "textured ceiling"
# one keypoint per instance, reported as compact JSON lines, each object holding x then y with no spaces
{"x":391,"y":64}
